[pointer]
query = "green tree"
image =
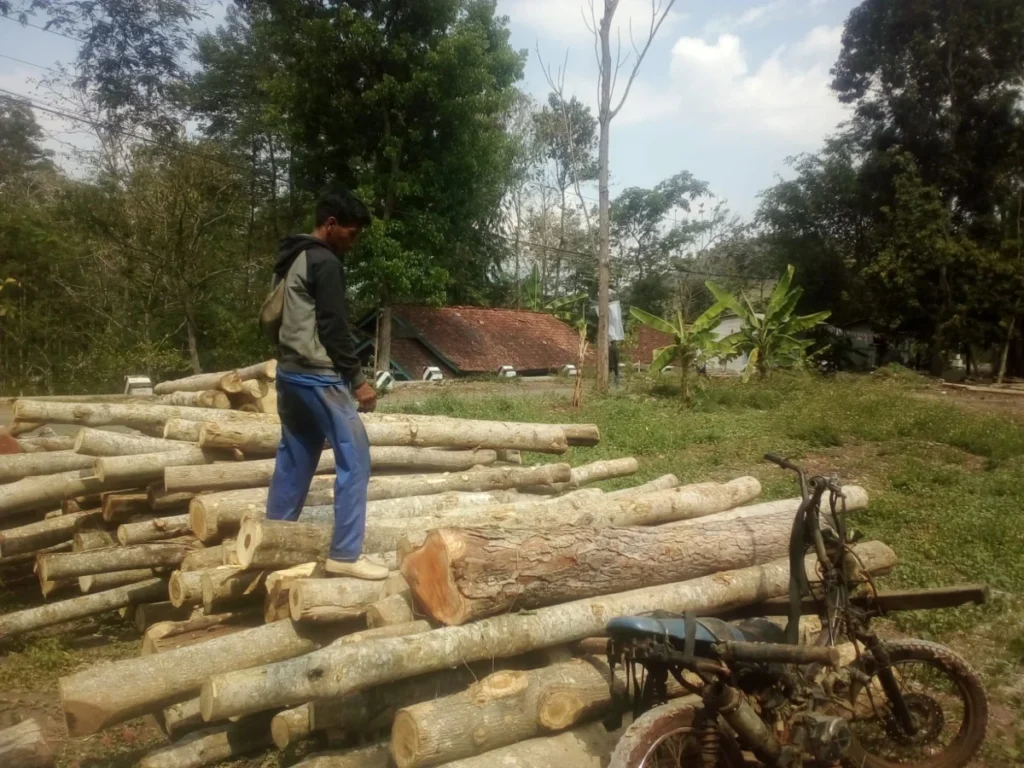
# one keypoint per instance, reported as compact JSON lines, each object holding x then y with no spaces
{"x":693,"y":345}
{"x":770,"y":338}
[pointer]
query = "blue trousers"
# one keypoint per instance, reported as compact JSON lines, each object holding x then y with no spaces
{"x":310,"y":415}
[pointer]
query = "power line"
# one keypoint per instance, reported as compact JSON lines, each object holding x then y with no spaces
{"x":42,"y":29}
{"x":27,"y":63}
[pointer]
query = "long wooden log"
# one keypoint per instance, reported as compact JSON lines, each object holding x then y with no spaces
{"x":209,"y":398}
{"x":856,"y":498}
{"x":99,"y":582}
{"x":157,"y":529}
{"x":143,"y":468}
{"x":137,"y":416}
{"x":183,"y":629}
{"x":253,"y":474}
{"x":16,"y":466}
{"x":185,"y":588}
{"x":228,"y":587}
{"x":36,"y":536}
{"x":79,"y":607}
{"x":42,"y":444}
{"x":182,"y":718}
{"x":112,"y":693}
{"x":214,"y":515}
{"x":338,"y":671}
{"x":24,"y":746}
{"x":374,"y":756}
{"x":585,"y":747}
{"x":208,"y":557}
{"x":265,"y":437}
{"x":213,"y":745}
{"x":225,"y":381}
{"x":101,"y":442}
{"x":576,"y":434}
{"x":47,"y":491}
{"x":504,"y":708}
{"x":266,"y":370}
{"x":182,"y":430}
{"x":160,"y":499}
{"x":464,"y":574}
{"x":690,"y":501}
{"x":290,"y":726}
{"x":157,"y":555}
{"x":594,"y":472}
{"x":663,"y":483}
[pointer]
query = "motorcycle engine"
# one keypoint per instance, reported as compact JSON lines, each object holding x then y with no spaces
{"x":825,"y":738}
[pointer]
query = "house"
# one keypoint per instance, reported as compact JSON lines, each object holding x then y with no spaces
{"x":465,"y":341}
{"x":643,"y":341}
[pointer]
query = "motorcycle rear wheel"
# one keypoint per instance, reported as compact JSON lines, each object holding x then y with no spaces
{"x":671,"y":736}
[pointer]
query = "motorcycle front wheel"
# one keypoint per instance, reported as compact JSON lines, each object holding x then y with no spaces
{"x":946,"y":701}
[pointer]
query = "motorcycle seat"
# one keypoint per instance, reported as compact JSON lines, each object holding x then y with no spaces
{"x":709,"y":630}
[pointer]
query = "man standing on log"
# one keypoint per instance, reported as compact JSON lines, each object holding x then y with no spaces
{"x":317,"y":376}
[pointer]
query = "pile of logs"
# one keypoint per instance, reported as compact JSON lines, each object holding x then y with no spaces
{"x":477,"y":650}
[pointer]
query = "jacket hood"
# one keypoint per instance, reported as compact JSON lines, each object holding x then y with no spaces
{"x":289,"y":249}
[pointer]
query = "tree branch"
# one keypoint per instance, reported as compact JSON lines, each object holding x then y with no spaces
{"x":658,"y":16}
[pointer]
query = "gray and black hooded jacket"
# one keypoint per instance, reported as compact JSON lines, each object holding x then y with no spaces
{"x":315,"y":336}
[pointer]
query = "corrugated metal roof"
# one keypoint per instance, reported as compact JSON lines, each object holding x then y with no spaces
{"x":478,"y":340}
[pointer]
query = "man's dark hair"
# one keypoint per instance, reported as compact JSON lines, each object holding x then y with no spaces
{"x":347,"y":209}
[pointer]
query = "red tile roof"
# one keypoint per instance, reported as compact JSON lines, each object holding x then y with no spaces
{"x":415,"y":358}
{"x":477,"y":340}
{"x":642,"y":343}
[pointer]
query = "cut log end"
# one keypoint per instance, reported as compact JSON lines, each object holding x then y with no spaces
{"x":428,"y":573}
{"x":290,"y":726}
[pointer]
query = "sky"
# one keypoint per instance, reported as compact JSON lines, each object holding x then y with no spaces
{"x":728,"y":90}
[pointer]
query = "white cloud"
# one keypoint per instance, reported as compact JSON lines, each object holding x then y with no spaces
{"x":761,"y":15}
{"x":567,"y":20}
{"x":716,"y":85}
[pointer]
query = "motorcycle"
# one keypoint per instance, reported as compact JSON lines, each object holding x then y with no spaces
{"x":754,"y":696}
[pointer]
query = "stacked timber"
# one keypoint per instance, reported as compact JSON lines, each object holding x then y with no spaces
{"x":467,"y":654}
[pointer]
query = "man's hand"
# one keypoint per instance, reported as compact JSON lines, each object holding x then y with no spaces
{"x":367,"y":397}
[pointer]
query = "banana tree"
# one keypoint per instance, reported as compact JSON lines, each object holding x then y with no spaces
{"x":769,"y":338}
{"x":693,"y":346}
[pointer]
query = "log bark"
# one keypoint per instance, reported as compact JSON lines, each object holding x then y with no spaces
{"x":228,"y":587}
{"x":111,"y":693}
{"x":224,"y":381}
{"x":253,"y":474}
{"x":160,"y":499}
{"x":45,"y":533}
{"x":141,"y":417}
{"x":185,"y":588}
{"x":100,"y":582}
{"x":332,"y":600}
{"x":594,"y":472}
{"x":159,"y":555}
{"x":182,"y":430}
{"x":208,"y":557}
{"x":87,"y":541}
{"x":337,"y":671}
{"x":856,"y":498}
{"x":465,"y":574}
{"x":24,"y":746}
{"x":32,"y":619}
{"x":183,"y":629}
{"x":17,"y":466}
{"x":266,"y":370}
{"x":504,"y":708}
{"x":389,"y":611}
{"x":588,"y":746}
{"x":48,"y":491}
{"x":290,"y":726}
{"x":540,"y":438}
{"x":690,"y":501}
{"x":143,"y":468}
{"x":663,"y":483}
{"x":121,"y":507}
{"x":438,"y":503}
{"x":576,"y":434}
{"x":41,"y":444}
{"x":180,"y":719}
{"x":147,"y":615}
{"x":100,"y":442}
{"x":157,"y":529}
{"x":209,"y":398}
{"x":213,"y":745}
{"x":375,"y":756}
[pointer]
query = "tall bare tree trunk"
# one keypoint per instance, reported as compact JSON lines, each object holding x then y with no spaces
{"x":604,"y":271}
{"x":1005,"y":354}
{"x":384,"y":339}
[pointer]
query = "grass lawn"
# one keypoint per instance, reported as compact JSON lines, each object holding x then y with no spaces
{"x":944,"y":484}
